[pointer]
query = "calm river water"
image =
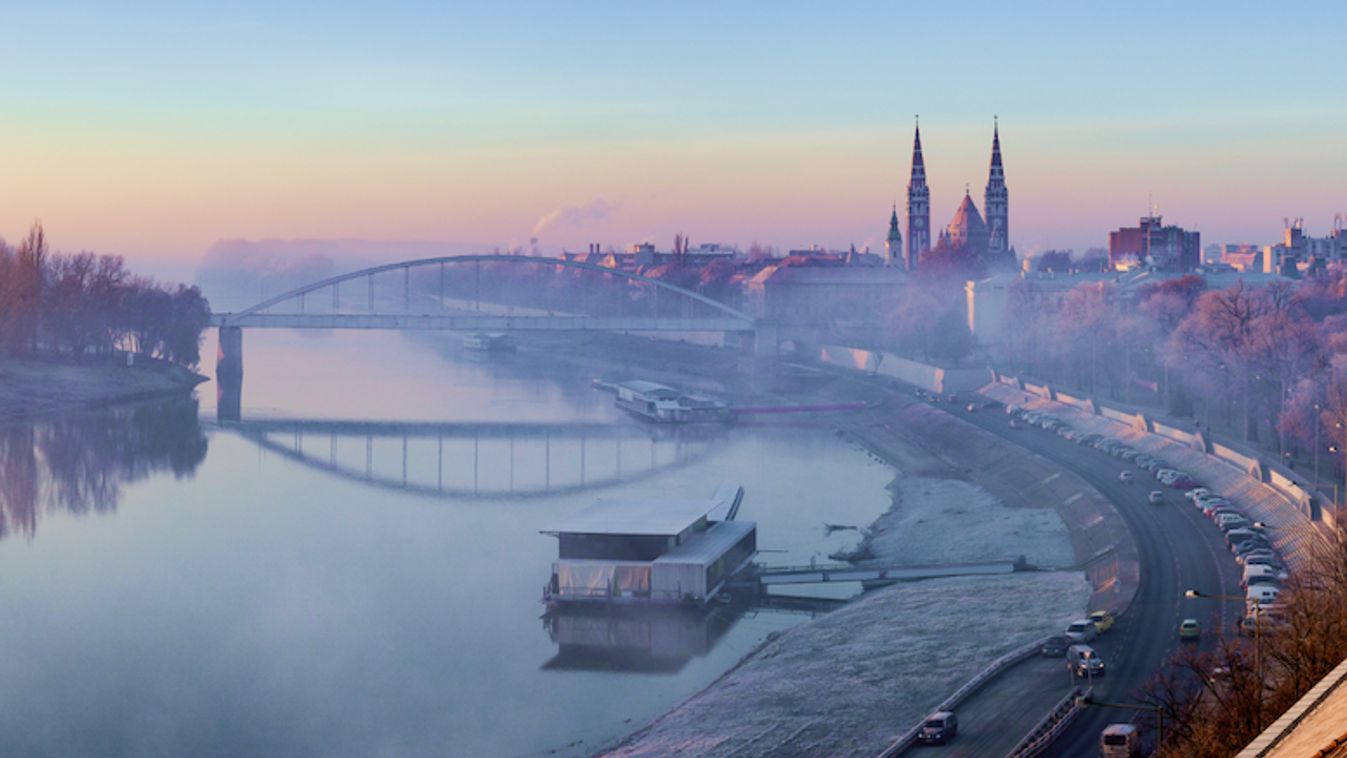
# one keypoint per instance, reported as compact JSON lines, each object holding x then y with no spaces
{"x":292,"y":586}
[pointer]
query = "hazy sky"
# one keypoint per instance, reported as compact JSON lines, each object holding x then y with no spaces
{"x":152,"y":131}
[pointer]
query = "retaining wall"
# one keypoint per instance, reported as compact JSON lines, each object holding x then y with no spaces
{"x":922,"y":375}
{"x":1260,"y":470}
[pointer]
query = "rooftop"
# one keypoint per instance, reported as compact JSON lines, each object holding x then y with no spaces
{"x":637,"y":517}
{"x":709,"y":545}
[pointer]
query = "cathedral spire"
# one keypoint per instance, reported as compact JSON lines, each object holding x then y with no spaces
{"x":918,"y":165}
{"x":996,"y":144}
{"x":918,"y":207}
{"x":997,"y":204}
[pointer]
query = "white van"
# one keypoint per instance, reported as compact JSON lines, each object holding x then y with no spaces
{"x":1261,"y":594}
{"x":1119,"y":741}
{"x":1256,"y":571}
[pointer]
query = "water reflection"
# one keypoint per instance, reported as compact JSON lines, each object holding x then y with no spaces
{"x":494,"y":460}
{"x":658,"y":640}
{"x":79,"y":464}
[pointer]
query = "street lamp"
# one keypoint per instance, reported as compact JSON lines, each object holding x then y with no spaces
{"x":1257,"y":640}
{"x":1159,"y":711}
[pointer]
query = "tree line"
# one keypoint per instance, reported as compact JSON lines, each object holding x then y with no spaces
{"x":82,"y":304}
{"x":1269,"y":362}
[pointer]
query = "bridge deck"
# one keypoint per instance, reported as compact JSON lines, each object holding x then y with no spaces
{"x":480,"y":322}
{"x":845,"y":572}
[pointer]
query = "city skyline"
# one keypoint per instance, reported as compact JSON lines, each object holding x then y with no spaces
{"x":153,"y":134}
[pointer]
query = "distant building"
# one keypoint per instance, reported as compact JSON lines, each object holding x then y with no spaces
{"x":1151,"y":244}
{"x":1299,"y":254}
{"x":804,"y":292}
{"x":1241,"y":257}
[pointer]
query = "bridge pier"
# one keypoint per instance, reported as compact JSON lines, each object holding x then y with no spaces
{"x":229,"y":374}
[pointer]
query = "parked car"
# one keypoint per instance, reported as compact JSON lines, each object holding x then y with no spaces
{"x":1129,"y":454}
{"x":1189,"y":629}
{"x":1250,"y":546}
{"x":1014,"y":424}
{"x":1263,"y":557}
{"x":940,"y":727}
{"x":1082,"y":630}
{"x":1103,"y":620}
{"x":1126,"y":477}
{"x":1228,"y":521}
{"x":1238,"y":535}
{"x":1055,"y":647}
{"x":971,"y":407}
{"x":1261,"y":594}
{"x":1196,"y":492}
{"x":1183,"y":482}
{"x":1156,"y":497}
{"x":1089,"y":439}
{"x":1084,"y":661}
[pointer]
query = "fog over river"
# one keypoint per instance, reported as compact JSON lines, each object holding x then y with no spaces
{"x":290,"y":586}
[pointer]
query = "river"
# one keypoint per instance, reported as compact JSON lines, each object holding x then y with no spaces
{"x":292,"y":586}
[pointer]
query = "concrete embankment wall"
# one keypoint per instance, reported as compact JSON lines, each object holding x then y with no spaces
{"x":1270,"y":491}
{"x":925,"y":376}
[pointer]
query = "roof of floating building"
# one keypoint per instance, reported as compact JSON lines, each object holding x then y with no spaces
{"x":646,"y":517}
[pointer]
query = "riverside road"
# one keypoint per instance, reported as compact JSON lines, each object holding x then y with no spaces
{"x":1179,"y":549}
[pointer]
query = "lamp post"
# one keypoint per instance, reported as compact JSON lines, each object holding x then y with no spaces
{"x":1316,"y":445}
{"x":1257,"y":641}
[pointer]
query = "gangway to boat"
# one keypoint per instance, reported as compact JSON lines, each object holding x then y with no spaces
{"x":893,"y":572}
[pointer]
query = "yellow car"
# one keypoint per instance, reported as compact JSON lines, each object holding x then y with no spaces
{"x":1190,"y":630}
{"x":1103,"y":620}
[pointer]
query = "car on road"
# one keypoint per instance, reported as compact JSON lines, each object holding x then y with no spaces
{"x":1014,"y":424}
{"x":1156,"y":497}
{"x":940,"y":727}
{"x":1055,"y":646}
{"x":1189,"y":629}
{"x":1082,"y":630}
{"x":1084,"y":661}
{"x":1126,"y":477}
{"x":1120,"y":741}
{"x":1103,"y":620}
{"x":971,"y":407}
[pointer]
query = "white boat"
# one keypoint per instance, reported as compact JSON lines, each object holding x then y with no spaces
{"x":489,"y":343}
{"x":666,"y":405}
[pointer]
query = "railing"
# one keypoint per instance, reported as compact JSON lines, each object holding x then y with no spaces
{"x":1051,"y":727}
{"x":972,"y":685}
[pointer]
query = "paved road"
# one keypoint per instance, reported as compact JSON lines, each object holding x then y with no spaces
{"x":1179,"y":549}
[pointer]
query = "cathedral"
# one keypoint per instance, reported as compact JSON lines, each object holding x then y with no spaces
{"x":985,"y":241}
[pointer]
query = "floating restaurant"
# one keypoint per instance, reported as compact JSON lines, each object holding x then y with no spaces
{"x":651,"y":551}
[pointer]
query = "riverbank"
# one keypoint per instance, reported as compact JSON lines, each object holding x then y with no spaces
{"x":32,"y":388}
{"x":878,"y":665}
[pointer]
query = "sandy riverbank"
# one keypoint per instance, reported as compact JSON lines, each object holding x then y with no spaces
{"x":849,"y":682}
{"x":33,"y":388}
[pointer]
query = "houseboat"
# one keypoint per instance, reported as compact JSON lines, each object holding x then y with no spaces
{"x":488,"y":343}
{"x":651,"y":551}
{"x":666,"y":405}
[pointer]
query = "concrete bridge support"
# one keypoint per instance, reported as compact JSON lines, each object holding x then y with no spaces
{"x":229,"y":374}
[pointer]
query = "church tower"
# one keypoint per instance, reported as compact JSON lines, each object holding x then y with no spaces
{"x":918,"y":208}
{"x":893,"y":246}
{"x":997,"y":206}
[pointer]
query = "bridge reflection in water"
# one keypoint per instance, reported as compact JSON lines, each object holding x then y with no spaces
{"x":481,"y":460}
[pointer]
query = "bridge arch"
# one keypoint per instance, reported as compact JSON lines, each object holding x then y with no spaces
{"x":728,"y":313}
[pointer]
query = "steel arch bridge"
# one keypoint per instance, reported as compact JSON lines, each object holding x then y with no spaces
{"x":668,"y":309}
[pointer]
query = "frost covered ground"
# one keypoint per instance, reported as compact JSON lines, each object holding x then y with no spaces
{"x":851,"y":681}
{"x":950,"y":521}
